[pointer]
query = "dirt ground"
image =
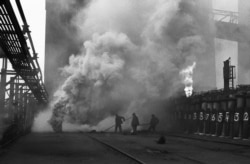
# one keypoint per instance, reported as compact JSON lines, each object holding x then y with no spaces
{"x":52,"y":148}
{"x":178,"y":150}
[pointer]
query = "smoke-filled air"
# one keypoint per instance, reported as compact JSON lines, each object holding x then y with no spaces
{"x":133,"y":53}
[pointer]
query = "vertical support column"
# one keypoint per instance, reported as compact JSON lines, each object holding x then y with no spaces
{"x":11,"y":107}
{"x":2,"y":96}
{"x":225,"y":114}
{"x":220,"y":116}
{"x":25,"y":111}
{"x":21,"y":109}
{"x":238,"y":115}
{"x":32,"y":111}
{"x":2,"y":87}
{"x":246,"y":125}
{"x":231,"y":108}
{"x":17,"y":106}
{"x":202,"y":117}
{"x":28,"y":110}
{"x":207,"y":117}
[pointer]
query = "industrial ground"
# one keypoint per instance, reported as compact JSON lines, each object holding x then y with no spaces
{"x":74,"y":148}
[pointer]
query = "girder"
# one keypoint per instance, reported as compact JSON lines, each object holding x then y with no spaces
{"x":228,"y":27}
{"x":226,"y":16}
{"x":13,"y":42}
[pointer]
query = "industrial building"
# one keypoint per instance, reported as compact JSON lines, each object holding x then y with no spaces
{"x":216,"y":112}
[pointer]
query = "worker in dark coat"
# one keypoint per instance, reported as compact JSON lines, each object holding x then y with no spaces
{"x":153,"y":123}
{"x":134,"y":123}
{"x":118,"y":122}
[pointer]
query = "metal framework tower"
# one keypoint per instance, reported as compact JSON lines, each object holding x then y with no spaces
{"x":229,"y":75}
{"x":21,"y":85}
{"x":235,"y":26}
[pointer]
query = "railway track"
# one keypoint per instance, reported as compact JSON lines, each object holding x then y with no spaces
{"x":122,"y":154}
{"x":133,"y":159}
{"x":215,"y":140}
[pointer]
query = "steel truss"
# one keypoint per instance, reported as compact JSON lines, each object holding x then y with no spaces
{"x":22,"y":91}
{"x":14,"y":45}
{"x":226,"y":16}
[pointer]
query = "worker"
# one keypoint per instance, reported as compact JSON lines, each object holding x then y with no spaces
{"x":153,"y":123}
{"x":118,"y":122}
{"x":134,"y":123}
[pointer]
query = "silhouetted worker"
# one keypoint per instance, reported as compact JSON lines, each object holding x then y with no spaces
{"x":134,"y":123}
{"x":153,"y":122}
{"x":118,"y":122}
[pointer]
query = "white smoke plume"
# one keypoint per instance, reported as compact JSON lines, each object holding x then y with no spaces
{"x":133,"y":52}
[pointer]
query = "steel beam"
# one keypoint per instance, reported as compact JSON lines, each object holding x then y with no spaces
{"x":13,"y":43}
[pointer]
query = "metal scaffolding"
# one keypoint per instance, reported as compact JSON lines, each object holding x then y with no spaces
{"x":22,"y":91}
{"x":14,"y":45}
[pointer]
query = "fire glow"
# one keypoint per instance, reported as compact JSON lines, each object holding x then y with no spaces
{"x":187,"y":75}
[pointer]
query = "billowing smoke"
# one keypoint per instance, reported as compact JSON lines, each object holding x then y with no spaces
{"x":132,"y":54}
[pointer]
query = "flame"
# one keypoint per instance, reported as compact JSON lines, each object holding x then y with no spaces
{"x":187,"y":75}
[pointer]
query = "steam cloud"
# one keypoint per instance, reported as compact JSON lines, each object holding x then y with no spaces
{"x":133,"y":52}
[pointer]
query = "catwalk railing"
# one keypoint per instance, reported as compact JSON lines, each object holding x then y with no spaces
{"x":14,"y":43}
{"x":226,"y":16}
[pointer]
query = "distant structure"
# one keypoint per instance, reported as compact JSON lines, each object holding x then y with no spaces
{"x":229,"y":75}
{"x":233,"y":26}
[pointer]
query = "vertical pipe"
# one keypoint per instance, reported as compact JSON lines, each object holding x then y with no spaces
{"x":231,"y":109}
{"x":212,"y":105}
{"x":207,"y":118}
{"x":238,"y":115}
{"x":246,"y":127}
{"x":216,"y":108}
{"x":208,"y":113}
{"x":227,"y":120}
{"x":223,"y":115}
{"x":202,"y":117}
{"x":196,"y":119}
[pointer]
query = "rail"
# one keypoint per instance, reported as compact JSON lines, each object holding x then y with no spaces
{"x":226,"y":16}
{"x":130,"y":157}
{"x":14,"y":44}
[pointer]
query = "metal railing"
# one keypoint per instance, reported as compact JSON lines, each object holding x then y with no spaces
{"x":226,"y":16}
{"x":15,"y":46}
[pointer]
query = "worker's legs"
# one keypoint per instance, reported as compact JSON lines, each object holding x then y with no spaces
{"x":120,"y":128}
{"x":150,"y":128}
{"x":116,"y":128}
{"x":153,"y":128}
{"x":134,"y":129}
